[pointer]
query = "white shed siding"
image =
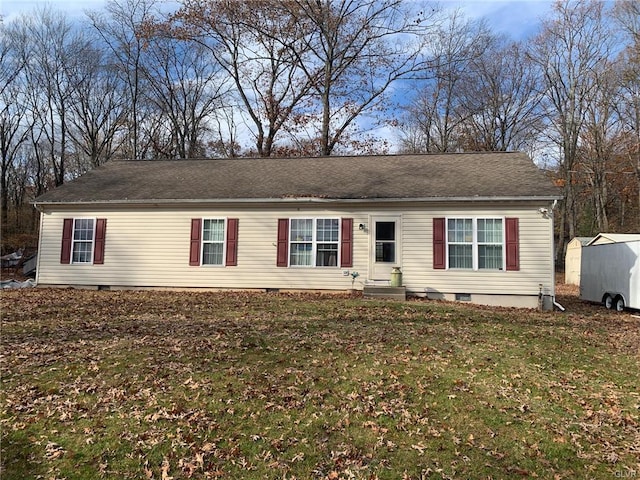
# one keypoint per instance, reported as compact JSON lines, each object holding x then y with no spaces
{"x":149,"y":247}
{"x":572,"y":260}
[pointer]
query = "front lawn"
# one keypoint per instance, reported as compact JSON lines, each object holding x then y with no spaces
{"x":253,"y":385}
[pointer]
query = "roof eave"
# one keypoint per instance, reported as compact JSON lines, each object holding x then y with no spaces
{"x":545,"y":198}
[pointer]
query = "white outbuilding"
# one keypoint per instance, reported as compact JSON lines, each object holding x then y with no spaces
{"x":572,"y":259}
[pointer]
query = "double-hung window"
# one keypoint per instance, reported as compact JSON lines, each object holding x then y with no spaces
{"x":475,"y":243}
{"x":460,"y":242}
{"x":490,"y":240}
{"x":213,"y":241}
{"x":82,"y":240}
{"x":314,"y":242}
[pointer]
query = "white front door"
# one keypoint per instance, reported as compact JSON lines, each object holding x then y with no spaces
{"x":385,"y":250}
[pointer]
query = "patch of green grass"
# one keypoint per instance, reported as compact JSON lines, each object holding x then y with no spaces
{"x":235,"y":385}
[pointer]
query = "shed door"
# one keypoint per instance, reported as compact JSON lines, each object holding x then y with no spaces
{"x":385,"y":251}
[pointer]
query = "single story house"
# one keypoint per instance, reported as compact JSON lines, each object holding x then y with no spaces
{"x":572,"y":259}
{"x":466,"y":226}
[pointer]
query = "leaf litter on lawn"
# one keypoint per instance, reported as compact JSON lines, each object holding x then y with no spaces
{"x":255,"y":385}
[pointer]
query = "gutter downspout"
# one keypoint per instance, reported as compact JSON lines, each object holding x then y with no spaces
{"x":38,"y":256}
{"x":553,"y":249}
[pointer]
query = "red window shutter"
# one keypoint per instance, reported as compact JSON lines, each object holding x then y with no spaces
{"x":439,"y":244}
{"x":67,"y":237}
{"x":283,"y":242}
{"x":98,"y":248}
{"x":346,"y":243}
{"x":232,"y":242}
{"x":512,"y":243}
{"x":194,"y":251}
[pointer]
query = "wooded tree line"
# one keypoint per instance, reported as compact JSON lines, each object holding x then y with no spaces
{"x":222,"y":78}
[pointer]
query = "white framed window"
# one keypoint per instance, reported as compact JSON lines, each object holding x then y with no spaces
{"x":490,"y":238}
{"x":476,"y":243}
{"x":82,"y":240}
{"x":314,"y":242}
{"x":213,"y":241}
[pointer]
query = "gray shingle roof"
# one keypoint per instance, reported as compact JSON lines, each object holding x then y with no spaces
{"x":428,"y":176}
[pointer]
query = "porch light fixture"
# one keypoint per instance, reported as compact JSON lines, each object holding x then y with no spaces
{"x":362,"y":227}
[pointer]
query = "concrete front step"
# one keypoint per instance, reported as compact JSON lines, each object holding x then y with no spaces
{"x":384,"y":292}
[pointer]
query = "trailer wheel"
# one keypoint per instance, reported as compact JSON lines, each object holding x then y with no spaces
{"x":619,"y":304}
{"x":608,"y":301}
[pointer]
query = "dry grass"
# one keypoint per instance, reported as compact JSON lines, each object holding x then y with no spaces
{"x":205,"y":385}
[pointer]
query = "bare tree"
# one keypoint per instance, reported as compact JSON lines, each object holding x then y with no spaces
{"x":10,"y":62}
{"x":627,"y":14}
{"x":501,"y":100}
{"x":51,"y":50}
{"x":186,"y":86}
{"x":434,"y":118}
{"x":598,"y":141}
{"x":353,"y":52}
{"x":13,"y":132}
{"x":569,"y":49}
{"x":119,"y":27}
{"x":99,"y":109}
{"x":246,"y":39}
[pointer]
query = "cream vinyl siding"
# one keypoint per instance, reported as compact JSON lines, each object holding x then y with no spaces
{"x":535,"y":252}
{"x":149,"y":247}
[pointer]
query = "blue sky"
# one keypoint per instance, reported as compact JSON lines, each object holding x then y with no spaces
{"x":515,"y":18}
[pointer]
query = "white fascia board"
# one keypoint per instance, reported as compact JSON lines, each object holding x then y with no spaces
{"x":289,"y":200}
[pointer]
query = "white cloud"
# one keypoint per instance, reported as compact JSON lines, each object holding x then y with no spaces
{"x":11,"y":9}
{"x":515,"y":18}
